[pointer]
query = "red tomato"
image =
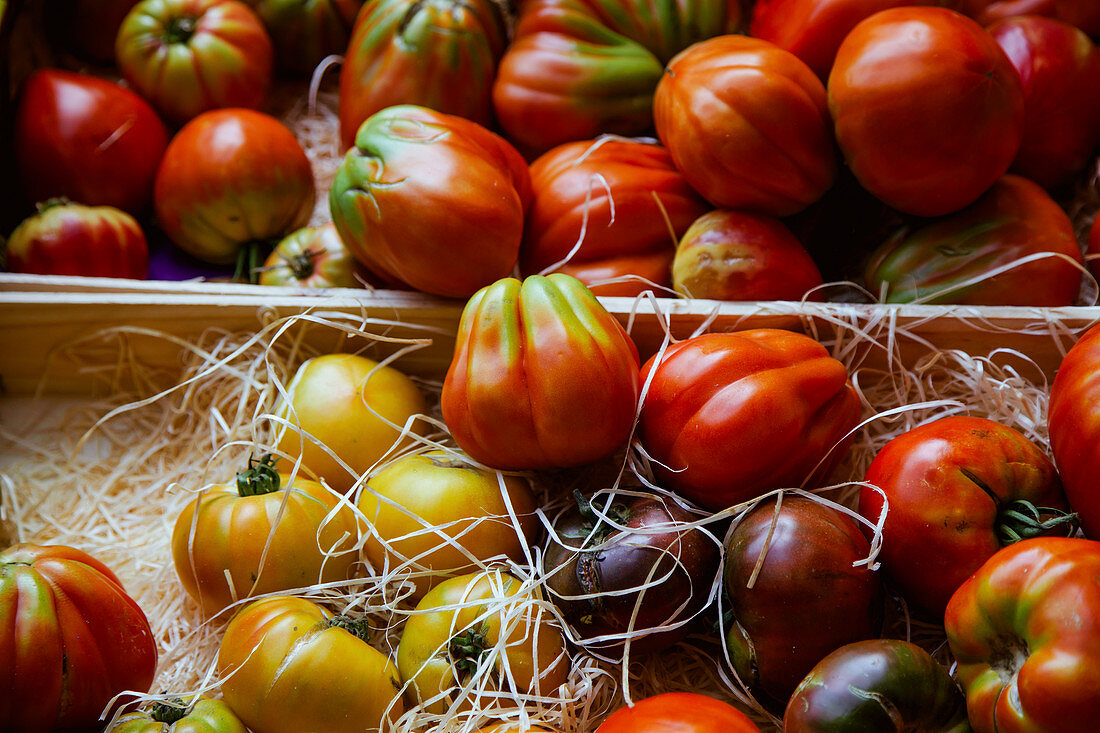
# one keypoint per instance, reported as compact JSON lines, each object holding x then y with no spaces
{"x":421,"y":189}
{"x":808,"y":571}
{"x":1025,"y":631}
{"x":949,"y":260}
{"x":64,"y":238}
{"x":813,"y":29}
{"x":437,"y":55}
{"x":304,"y":32}
{"x":682,"y":712}
{"x":86,"y":139}
{"x":1074,"y":423}
{"x":190,"y":56}
{"x":1060,"y":70}
{"x":70,"y":640}
{"x":231,"y":178}
{"x":746,"y":123}
{"x":928,"y":110}
{"x":956,"y":488}
{"x":542,"y":376}
{"x":1093,"y":251}
{"x":729,"y":255}
{"x":1084,"y":14}
{"x":730,"y":416}
{"x":618,"y":193}
{"x":578,"y":68}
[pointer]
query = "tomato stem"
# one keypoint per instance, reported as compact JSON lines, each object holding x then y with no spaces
{"x":468,"y":648}
{"x":168,"y":711}
{"x":259,"y":478}
{"x":180,"y":30}
{"x":596,"y":527}
{"x":358,"y":628}
{"x":51,"y":203}
{"x":1021,"y":520}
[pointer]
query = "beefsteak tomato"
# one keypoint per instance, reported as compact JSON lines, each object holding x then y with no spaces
{"x":64,"y":238}
{"x":202,"y":715}
{"x":1060,"y":70}
{"x":421,"y":187}
{"x":732,"y":255}
{"x":542,"y":376}
{"x":487,"y":624}
{"x":622,"y":569}
{"x":958,"y":489}
{"x":440,"y":516}
{"x":683,"y":712}
{"x":70,"y":639}
{"x":747,"y":124}
{"x":578,"y":68}
{"x":928,"y":110}
{"x":1025,"y":631}
{"x":609,"y":209}
{"x":190,"y":56}
{"x":287,"y":665}
{"x":877,"y":685}
{"x":359,"y":410}
{"x":730,"y":416}
{"x":86,"y":139}
{"x":1074,"y":425}
{"x":808,"y":570}
{"x":955,"y":260}
{"x":441,"y":55}
{"x":304,"y":32}
{"x":813,"y":29}
{"x":262,"y":535}
{"x":312,"y":257}
{"x":230,"y":181}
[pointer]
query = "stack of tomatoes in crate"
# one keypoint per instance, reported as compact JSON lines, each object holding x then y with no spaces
{"x":727,"y":515}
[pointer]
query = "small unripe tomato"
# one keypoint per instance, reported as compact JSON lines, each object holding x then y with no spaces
{"x":354,"y":407}
{"x":312,"y":257}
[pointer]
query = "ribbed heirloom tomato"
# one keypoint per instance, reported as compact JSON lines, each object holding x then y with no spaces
{"x":928,"y":110}
{"x":730,"y":416}
{"x":747,"y":124}
{"x":262,"y":535}
{"x":542,"y":376}
{"x":190,"y":56}
{"x":288,"y":665}
{"x":70,"y":640}
{"x":421,"y":188}
{"x":625,"y":197}
{"x":441,"y":55}
{"x":1025,"y":630}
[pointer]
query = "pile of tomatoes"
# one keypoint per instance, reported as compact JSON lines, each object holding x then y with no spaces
{"x":910,"y":134}
{"x":923,"y":150}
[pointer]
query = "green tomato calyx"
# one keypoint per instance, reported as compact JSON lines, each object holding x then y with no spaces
{"x":596,"y":527}
{"x":51,"y":203}
{"x":180,"y":30}
{"x":467,"y":649}
{"x":359,"y":628}
{"x":168,"y":711}
{"x":261,"y":477}
{"x":1022,"y":520}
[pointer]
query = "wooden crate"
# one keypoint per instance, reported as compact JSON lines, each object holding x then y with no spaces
{"x":60,"y":347}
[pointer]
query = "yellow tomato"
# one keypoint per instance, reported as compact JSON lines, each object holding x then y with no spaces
{"x":420,"y":504}
{"x":462,"y":620}
{"x":289,"y":666}
{"x":227,"y":528}
{"x":352,"y":405}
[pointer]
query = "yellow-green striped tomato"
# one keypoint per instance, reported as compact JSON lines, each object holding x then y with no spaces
{"x":179,"y":716}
